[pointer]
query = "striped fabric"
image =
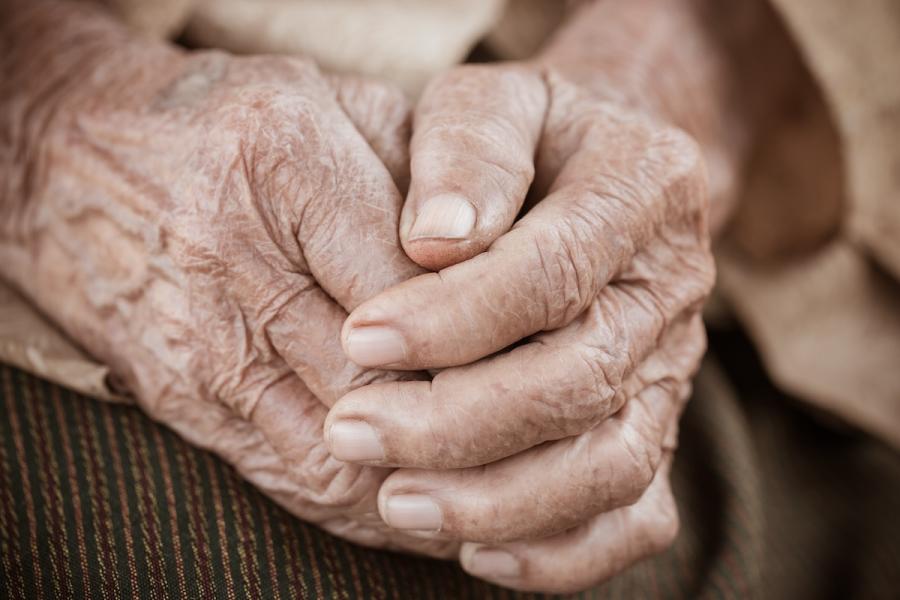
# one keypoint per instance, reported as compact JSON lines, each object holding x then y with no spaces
{"x":97,"y":501}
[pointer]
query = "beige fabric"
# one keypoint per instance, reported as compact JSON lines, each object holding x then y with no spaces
{"x":853,"y":50}
{"x":158,"y":18}
{"x":812,"y":267}
{"x":405,"y":41}
{"x":30,"y":342}
{"x":828,"y":329}
{"x":827,"y":321}
{"x":524,"y":26}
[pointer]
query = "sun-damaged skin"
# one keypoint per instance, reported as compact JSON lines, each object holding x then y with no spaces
{"x":203,"y":224}
{"x":568,"y":336}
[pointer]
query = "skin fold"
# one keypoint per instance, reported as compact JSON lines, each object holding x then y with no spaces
{"x":230,"y":235}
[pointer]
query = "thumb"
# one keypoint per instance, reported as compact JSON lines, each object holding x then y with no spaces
{"x":472,"y":161}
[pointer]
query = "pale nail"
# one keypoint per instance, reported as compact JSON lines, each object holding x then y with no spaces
{"x":413,"y":511}
{"x":447,"y":216}
{"x":375,"y":346}
{"x":492,"y":562}
{"x":355,"y":441}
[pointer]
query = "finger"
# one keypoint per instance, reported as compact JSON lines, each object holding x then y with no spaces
{"x":288,"y":313}
{"x":587,"y":555}
{"x":551,"y":265}
{"x":381,"y":114}
{"x":314,"y":352}
{"x":544,"y":490}
{"x":476,"y":129}
{"x":346,"y":212}
{"x":332,"y":225}
{"x":282,"y":452}
{"x":560,"y":385}
{"x":279,"y":448}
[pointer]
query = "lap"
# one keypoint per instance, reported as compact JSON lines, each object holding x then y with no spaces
{"x":98,"y":501}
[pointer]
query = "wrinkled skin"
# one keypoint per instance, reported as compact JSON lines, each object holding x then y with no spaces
{"x":569,"y":203}
{"x":203,"y":225}
{"x":602,"y":281}
{"x":568,"y":335}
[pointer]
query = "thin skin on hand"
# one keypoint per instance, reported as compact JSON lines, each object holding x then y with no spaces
{"x":203,"y":223}
{"x":602,"y":281}
{"x":568,"y":337}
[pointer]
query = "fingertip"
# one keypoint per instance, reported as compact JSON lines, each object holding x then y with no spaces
{"x":392,"y":330}
{"x":367,"y":337}
{"x":490,"y":562}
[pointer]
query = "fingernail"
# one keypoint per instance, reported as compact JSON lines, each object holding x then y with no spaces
{"x":447,"y":216}
{"x":493,"y":562}
{"x":413,"y":511}
{"x":375,"y":346}
{"x":355,"y":441}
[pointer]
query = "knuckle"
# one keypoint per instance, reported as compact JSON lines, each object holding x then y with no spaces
{"x":594,"y":387}
{"x":704,"y":276}
{"x":689,"y":281}
{"x":699,"y":272}
{"x":240,"y":379}
{"x":584,"y":387}
{"x":683,"y":273}
{"x":328,"y":483}
{"x":489,"y":521}
{"x":681,"y":153}
{"x":655,"y":308}
{"x":641,"y":456}
{"x":661,"y":524}
{"x":511,"y":167}
{"x":685,"y":183}
{"x":241,"y":387}
{"x":565,"y":281}
{"x":261,"y":128}
{"x":332,"y":484}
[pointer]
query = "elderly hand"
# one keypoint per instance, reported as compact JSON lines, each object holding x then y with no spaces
{"x":203,"y":223}
{"x":568,"y":337}
{"x":567,"y":342}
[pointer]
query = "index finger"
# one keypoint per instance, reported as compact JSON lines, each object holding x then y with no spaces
{"x":541,"y":274}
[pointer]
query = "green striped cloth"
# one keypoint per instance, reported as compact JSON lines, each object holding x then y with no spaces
{"x":97,"y":501}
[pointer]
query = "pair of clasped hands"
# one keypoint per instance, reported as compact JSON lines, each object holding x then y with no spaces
{"x":474,"y":342}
